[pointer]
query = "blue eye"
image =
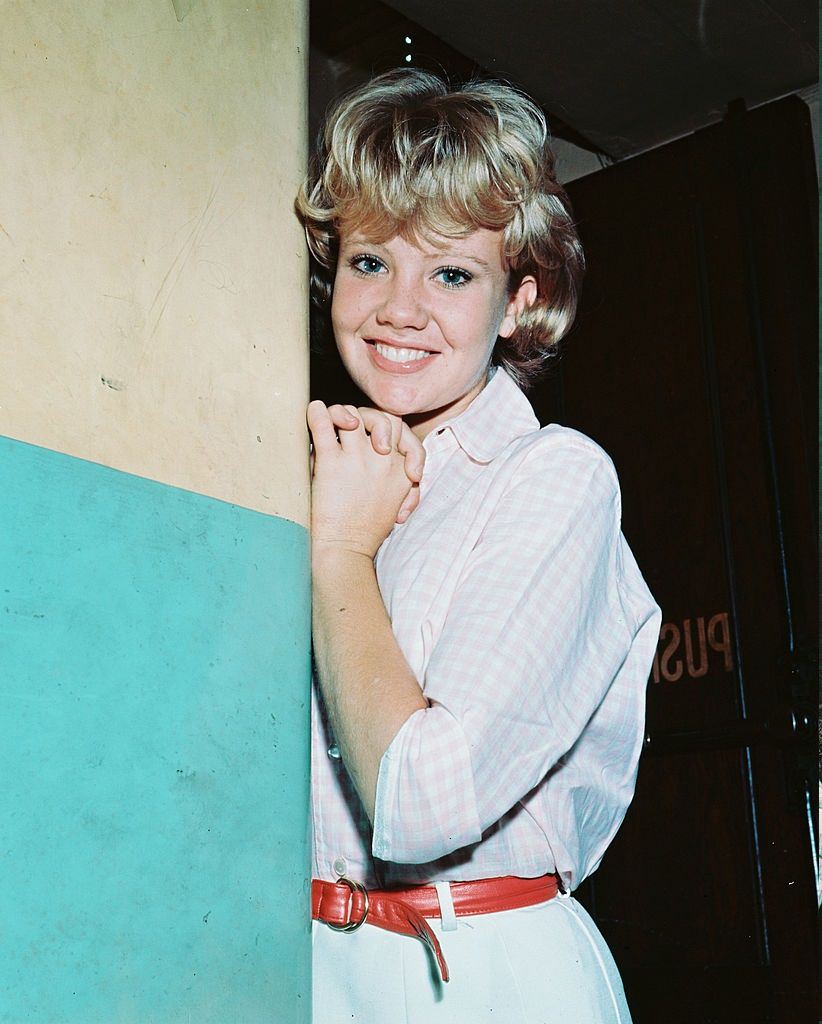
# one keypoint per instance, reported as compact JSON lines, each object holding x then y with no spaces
{"x":365,"y":264}
{"x":453,"y":277}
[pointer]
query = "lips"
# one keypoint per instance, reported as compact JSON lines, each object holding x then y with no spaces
{"x":399,"y":359}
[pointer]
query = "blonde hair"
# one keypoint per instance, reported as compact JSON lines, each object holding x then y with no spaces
{"x":406,"y":155}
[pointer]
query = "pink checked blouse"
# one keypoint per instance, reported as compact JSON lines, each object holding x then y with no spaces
{"x":520,"y":609}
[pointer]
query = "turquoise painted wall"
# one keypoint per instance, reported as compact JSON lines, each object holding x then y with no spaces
{"x":154,"y":679}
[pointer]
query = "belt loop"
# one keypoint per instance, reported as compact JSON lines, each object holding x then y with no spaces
{"x":447,"y":913}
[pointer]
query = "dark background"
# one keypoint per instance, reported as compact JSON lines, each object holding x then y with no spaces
{"x":690,"y":162}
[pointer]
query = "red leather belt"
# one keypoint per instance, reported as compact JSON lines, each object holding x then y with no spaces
{"x":346,"y":905}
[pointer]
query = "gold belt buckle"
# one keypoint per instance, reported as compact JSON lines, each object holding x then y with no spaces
{"x":352,"y":926}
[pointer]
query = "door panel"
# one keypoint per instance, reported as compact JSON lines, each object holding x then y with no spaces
{"x":692,"y":365}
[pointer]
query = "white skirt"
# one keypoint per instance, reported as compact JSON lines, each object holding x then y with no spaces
{"x":546,"y":964}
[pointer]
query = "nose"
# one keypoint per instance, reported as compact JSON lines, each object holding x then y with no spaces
{"x":403,"y":305}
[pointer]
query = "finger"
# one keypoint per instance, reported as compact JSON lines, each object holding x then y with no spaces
{"x":342,"y":418}
{"x":397,"y":427}
{"x":322,"y":429}
{"x":411,"y":447}
{"x":352,"y":438}
{"x":412,"y":499}
{"x":379,"y":426}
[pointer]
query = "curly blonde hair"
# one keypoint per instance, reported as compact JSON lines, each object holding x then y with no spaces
{"x":404,"y":154}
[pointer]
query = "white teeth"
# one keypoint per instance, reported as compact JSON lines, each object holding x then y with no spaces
{"x":400,"y":355}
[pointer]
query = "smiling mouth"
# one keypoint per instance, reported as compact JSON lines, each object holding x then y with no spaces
{"x":400,"y":355}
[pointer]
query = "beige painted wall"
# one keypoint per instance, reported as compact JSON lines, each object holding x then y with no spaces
{"x":152,"y":273}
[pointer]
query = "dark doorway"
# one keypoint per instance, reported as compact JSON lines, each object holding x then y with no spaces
{"x":693,"y":364}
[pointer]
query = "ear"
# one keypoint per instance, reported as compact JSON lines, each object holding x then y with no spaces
{"x":518,"y":302}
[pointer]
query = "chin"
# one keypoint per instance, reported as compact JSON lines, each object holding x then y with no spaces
{"x":398,"y":399}
{"x":405,"y":412}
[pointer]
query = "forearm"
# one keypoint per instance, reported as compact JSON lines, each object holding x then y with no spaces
{"x":368,"y":688}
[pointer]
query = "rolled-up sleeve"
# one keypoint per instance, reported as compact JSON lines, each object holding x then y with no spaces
{"x":535,"y":635}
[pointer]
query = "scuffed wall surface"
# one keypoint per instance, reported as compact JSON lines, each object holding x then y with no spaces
{"x":154,"y":657}
{"x":152,"y":274}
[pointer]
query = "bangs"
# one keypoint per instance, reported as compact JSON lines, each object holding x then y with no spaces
{"x":425,"y":177}
{"x":425,"y":225}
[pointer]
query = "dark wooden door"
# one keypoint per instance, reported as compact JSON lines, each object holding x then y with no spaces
{"x":693,"y":364}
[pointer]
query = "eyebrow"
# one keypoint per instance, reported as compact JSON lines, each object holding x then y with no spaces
{"x":456,"y":255}
{"x":355,"y":242}
{"x":472,"y":258}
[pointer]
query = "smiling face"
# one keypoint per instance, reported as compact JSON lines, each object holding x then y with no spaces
{"x":416,"y":327}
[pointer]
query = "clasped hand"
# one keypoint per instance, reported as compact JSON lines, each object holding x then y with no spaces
{"x":365,"y":471}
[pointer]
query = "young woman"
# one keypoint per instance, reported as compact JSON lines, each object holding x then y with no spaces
{"x":482,"y":634}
